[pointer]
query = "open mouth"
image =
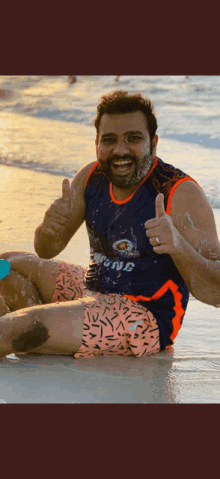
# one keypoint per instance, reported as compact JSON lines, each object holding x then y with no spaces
{"x":122,"y":166}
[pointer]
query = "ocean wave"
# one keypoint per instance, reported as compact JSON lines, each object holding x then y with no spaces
{"x":210,"y":187}
{"x":202,"y":140}
{"x":34,"y":166}
{"x":46,"y":125}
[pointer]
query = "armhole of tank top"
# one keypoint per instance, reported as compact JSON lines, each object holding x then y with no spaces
{"x":170,"y":197}
{"x":90,"y":172}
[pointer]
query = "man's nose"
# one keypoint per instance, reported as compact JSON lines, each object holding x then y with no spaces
{"x":120,"y":148}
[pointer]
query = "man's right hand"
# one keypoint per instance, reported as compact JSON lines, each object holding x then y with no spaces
{"x":63,"y":218}
{"x":58,"y":216}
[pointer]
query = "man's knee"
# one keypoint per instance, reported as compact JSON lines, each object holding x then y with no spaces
{"x":10,"y":254}
{"x":25,"y":263}
{"x":41,"y":272}
{"x":18,"y":292}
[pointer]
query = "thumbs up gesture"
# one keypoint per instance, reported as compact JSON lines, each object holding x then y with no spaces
{"x":159,"y":206}
{"x":58,"y":216}
{"x":66,"y":190}
{"x":162,"y":234}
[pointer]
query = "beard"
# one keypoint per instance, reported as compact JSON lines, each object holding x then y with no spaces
{"x":139,"y":169}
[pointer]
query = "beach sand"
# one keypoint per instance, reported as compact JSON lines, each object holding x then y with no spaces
{"x":25,"y":196}
{"x":188,"y":372}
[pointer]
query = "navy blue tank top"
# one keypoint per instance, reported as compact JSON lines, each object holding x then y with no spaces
{"x":122,"y":259}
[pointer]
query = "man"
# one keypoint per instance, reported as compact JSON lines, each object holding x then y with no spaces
{"x":72,"y":79}
{"x":152,"y":237}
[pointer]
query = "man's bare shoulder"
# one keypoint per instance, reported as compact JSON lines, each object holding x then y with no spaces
{"x":192,"y":215}
{"x":189,"y":197}
{"x":86,"y":169}
{"x":79,"y":181}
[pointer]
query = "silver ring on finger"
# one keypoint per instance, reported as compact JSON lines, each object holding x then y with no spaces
{"x":157,"y":240}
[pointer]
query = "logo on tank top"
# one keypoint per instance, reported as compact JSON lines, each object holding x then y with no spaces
{"x":125,"y":248}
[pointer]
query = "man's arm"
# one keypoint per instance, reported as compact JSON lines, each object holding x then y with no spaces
{"x":63,"y":218}
{"x":189,"y":235}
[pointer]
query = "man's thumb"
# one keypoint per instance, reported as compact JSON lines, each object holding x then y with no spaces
{"x":66,"y":189}
{"x":159,"y":205}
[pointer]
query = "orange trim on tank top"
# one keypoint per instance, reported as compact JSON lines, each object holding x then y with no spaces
{"x":177,"y":299}
{"x":122,"y":202}
{"x":90,"y":172}
{"x":170,"y":197}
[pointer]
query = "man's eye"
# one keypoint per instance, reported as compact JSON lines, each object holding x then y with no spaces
{"x":134,"y":138}
{"x":108,"y":140}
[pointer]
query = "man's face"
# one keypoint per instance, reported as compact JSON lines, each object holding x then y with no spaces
{"x":123,"y":148}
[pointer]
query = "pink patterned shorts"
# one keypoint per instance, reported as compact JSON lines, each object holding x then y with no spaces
{"x":113,"y":324}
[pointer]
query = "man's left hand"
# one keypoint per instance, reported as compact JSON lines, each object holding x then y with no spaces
{"x":162,"y":228}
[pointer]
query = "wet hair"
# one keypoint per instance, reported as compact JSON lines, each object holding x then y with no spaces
{"x":121,"y":102}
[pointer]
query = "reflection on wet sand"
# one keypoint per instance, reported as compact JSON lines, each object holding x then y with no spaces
{"x":104,"y":379}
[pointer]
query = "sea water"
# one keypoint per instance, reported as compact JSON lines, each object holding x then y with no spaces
{"x":47,"y":126}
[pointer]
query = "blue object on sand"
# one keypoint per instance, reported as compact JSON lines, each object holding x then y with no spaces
{"x":4,"y":268}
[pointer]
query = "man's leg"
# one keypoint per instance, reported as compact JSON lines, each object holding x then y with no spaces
{"x":39,"y":279}
{"x":45,"y":329}
{"x":17,"y":292}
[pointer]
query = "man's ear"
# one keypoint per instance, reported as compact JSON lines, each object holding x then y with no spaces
{"x":154,"y":143}
{"x":155,"y":140}
{"x":96,"y":145}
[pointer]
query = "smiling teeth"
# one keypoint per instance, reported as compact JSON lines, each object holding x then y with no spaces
{"x":122,"y":162}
